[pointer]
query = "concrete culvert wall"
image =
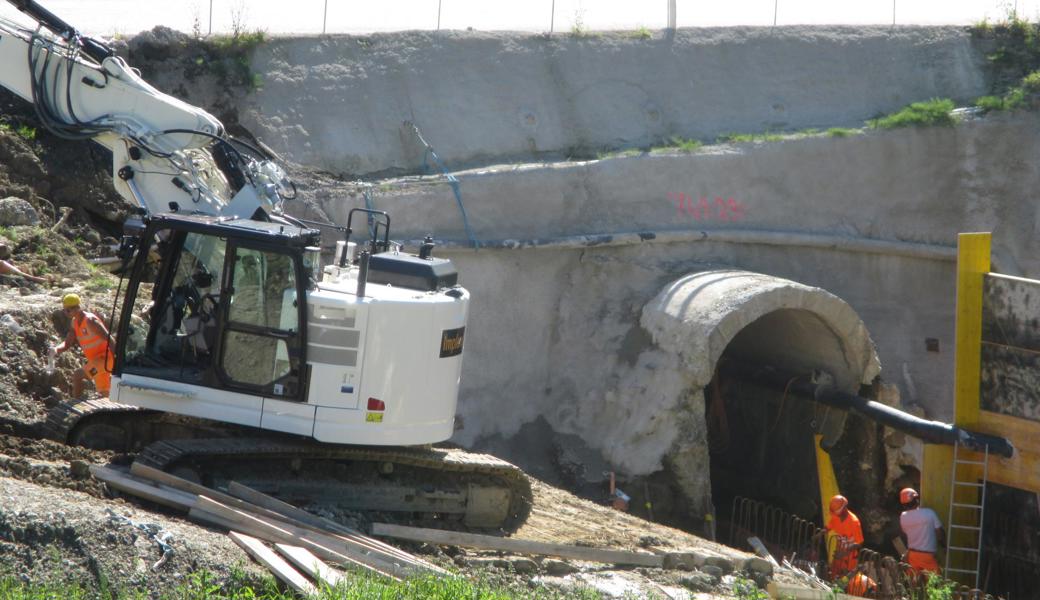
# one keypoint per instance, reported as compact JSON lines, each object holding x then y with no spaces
{"x":699,"y":319}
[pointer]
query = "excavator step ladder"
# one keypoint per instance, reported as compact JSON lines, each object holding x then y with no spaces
{"x":964,"y":542}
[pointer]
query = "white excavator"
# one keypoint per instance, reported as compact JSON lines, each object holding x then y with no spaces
{"x":238,"y":354}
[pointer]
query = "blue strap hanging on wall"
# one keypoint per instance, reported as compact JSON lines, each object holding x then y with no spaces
{"x":452,"y":181}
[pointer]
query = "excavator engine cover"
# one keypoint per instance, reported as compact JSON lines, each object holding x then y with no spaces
{"x":412,"y":272}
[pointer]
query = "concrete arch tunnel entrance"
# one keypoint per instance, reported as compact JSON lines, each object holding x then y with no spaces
{"x":743,"y":439}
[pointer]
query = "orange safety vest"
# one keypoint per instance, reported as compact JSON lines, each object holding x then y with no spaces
{"x":94,"y":346}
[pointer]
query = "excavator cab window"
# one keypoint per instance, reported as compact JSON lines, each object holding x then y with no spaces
{"x":183,"y":314}
{"x":261,"y":345}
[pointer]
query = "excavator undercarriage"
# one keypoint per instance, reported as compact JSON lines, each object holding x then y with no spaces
{"x":431,"y":486}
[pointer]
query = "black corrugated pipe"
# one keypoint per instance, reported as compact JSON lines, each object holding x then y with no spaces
{"x":933,"y":432}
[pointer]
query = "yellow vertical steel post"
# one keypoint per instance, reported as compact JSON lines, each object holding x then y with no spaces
{"x":828,"y":487}
{"x":973,"y":262}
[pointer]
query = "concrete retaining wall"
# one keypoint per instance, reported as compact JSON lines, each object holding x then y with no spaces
{"x":872,"y":219}
{"x":338,"y":103}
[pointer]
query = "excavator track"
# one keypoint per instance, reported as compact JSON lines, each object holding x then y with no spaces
{"x":443,"y":487}
{"x":483,"y":491}
{"x":66,"y":422}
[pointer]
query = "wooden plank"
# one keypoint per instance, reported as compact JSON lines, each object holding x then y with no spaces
{"x":787,"y":591}
{"x":272,"y":536}
{"x":345,"y":534}
{"x":164,"y":478}
{"x":286,"y":533}
{"x":311,"y":565}
{"x":123,"y":482}
{"x":453,"y":538}
{"x":274,"y":563}
{"x":973,"y":262}
{"x":1024,"y":434}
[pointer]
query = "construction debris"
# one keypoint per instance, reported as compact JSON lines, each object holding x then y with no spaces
{"x":488,"y":542}
{"x":303,"y":538}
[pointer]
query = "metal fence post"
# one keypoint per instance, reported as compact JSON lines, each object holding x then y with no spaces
{"x":671,"y":15}
{"x":552,"y":16}
{"x":776,"y":4}
{"x":210,"y":17}
{"x":893,"y":12}
{"x":439,"y":3}
{"x":325,"y":17}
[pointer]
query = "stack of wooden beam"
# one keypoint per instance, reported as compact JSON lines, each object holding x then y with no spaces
{"x":300,"y":540}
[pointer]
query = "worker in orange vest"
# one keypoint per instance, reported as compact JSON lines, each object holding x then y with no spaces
{"x":923,"y":532}
{"x":90,"y":332}
{"x":848,"y":535}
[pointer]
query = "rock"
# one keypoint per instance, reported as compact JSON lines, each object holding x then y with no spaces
{"x":758,"y":565}
{"x":699,"y":582}
{"x":524,"y":565}
{"x":79,"y":469}
{"x":713,"y":571}
{"x":482,"y":562}
{"x":686,"y":561}
{"x":559,"y":568}
{"x":15,"y":211}
{"x":723,"y":563}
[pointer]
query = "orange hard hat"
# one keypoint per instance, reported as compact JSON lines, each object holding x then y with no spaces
{"x":860,"y":584}
{"x":907,"y":495}
{"x":838,"y":504}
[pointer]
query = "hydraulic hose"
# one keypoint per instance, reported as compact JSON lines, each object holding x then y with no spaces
{"x":933,"y":432}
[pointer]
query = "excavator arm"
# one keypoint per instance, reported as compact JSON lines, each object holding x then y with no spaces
{"x":167,"y":155}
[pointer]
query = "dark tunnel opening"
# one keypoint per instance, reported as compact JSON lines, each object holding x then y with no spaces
{"x":761,"y":440}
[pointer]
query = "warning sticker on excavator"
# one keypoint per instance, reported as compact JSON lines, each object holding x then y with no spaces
{"x":374,"y":417}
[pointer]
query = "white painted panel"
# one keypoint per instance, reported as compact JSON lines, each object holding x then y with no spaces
{"x":197,"y":401}
{"x":290,"y":417}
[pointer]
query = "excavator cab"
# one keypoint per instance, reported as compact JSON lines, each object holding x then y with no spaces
{"x":222,"y":308}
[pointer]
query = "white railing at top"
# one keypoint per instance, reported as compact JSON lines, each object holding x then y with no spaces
{"x":283,"y":17}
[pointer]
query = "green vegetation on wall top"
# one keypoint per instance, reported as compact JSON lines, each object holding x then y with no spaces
{"x":919,"y":114}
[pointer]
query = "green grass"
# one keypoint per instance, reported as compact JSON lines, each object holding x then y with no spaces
{"x":745,"y":589}
{"x":27,"y":132}
{"x":841,"y":132}
{"x":685,"y":145}
{"x":1024,"y":94}
{"x":643,"y":33}
{"x":919,"y":114}
{"x":99,"y":282}
{"x":357,"y":586}
{"x":737,"y":138}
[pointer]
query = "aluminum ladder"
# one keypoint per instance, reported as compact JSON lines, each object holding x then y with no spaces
{"x":966,"y":517}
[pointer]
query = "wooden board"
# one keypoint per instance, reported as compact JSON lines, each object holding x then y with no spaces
{"x":274,"y":563}
{"x":311,"y":565}
{"x":123,"y":482}
{"x":324,"y":546}
{"x":787,"y":591}
{"x":344,"y":534}
{"x":454,"y":538}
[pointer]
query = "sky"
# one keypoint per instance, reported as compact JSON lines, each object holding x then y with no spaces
{"x":105,"y":18}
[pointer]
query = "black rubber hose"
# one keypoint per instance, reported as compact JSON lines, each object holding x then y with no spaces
{"x":933,"y":432}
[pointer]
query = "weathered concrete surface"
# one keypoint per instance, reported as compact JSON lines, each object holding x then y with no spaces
{"x":895,"y":201}
{"x":339,"y":102}
{"x":694,"y":320}
{"x":1010,"y":382}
